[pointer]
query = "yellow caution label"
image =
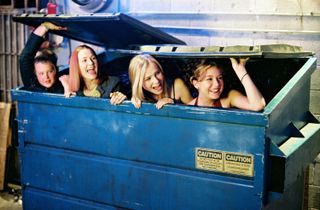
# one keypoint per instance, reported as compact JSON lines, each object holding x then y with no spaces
{"x":236,"y":163}
{"x":209,"y":160}
{"x":227,"y":162}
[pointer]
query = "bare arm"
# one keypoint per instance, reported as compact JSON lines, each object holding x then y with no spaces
{"x":182,"y":91}
{"x":253,"y":100}
{"x":30,"y":50}
{"x":26,"y":59}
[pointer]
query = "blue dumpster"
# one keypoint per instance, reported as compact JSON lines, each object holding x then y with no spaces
{"x":83,"y":153}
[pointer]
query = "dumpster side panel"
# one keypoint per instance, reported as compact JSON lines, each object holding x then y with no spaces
{"x":37,"y":200}
{"x":133,"y":185}
{"x":139,"y":137}
{"x":135,"y":160}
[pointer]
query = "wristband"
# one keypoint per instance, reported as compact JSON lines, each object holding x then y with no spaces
{"x":243,"y":76}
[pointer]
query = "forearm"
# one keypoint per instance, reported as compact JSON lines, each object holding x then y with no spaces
{"x":27,"y":56}
{"x":41,"y":30}
{"x":255,"y":98}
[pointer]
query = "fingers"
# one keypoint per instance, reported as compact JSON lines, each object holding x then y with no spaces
{"x":117,"y":98}
{"x":159,"y":105}
{"x":136,"y":102}
{"x":163,"y":102}
{"x":243,"y":60}
{"x":69,"y":94}
{"x":64,"y":78}
{"x":51,"y":26}
{"x":233,"y":60}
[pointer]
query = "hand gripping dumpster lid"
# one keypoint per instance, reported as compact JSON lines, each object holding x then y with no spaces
{"x":179,"y":157}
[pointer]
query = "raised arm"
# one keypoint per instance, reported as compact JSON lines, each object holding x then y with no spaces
{"x":253,"y":100}
{"x":28,"y":53}
{"x":30,"y":50}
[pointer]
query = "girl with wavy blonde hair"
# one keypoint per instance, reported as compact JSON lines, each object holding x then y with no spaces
{"x":208,"y":80}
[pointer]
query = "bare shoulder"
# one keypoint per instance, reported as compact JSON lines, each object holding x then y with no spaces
{"x":178,"y":82}
{"x":234,"y":93}
{"x":227,"y":101}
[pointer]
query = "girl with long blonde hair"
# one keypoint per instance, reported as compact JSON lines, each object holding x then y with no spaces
{"x":149,"y":84}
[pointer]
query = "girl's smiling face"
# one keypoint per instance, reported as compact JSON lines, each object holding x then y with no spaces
{"x":210,"y":84}
{"x":88,"y":64}
{"x":153,"y":79}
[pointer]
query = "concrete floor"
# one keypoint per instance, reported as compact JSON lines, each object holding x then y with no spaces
{"x":10,"y":201}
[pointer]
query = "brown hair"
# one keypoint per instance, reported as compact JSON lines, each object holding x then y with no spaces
{"x":201,"y":69}
{"x":46,"y":56}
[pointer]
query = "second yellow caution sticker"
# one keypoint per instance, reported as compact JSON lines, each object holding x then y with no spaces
{"x":221,"y":161}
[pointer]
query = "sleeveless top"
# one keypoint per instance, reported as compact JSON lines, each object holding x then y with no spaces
{"x":216,"y":103}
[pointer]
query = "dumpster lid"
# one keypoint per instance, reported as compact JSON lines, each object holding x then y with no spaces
{"x":265,"y":51}
{"x":110,"y":30}
{"x":131,"y":36}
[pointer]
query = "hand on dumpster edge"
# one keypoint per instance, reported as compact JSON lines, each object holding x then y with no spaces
{"x":136,"y":102}
{"x":64,"y":79}
{"x":117,"y":98}
{"x":163,"y":101}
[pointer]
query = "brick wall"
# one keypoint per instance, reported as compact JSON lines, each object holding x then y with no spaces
{"x":312,"y":186}
{"x":312,"y":178}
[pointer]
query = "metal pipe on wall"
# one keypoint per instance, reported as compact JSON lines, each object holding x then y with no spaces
{"x":2,"y":58}
{"x":13,"y":37}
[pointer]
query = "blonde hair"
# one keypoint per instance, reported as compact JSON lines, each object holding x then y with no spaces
{"x":137,"y":69}
{"x":74,"y":69}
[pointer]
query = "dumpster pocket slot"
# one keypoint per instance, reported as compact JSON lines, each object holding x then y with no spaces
{"x":297,"y":153}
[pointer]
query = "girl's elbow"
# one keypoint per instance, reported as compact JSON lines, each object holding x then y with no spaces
{"x":259,"y":106}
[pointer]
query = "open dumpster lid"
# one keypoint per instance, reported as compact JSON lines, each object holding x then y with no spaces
{"x":117,"y":31}
{"x":108,"y":30}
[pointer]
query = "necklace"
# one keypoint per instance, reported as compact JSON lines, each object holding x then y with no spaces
{"x":92,"y":93}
